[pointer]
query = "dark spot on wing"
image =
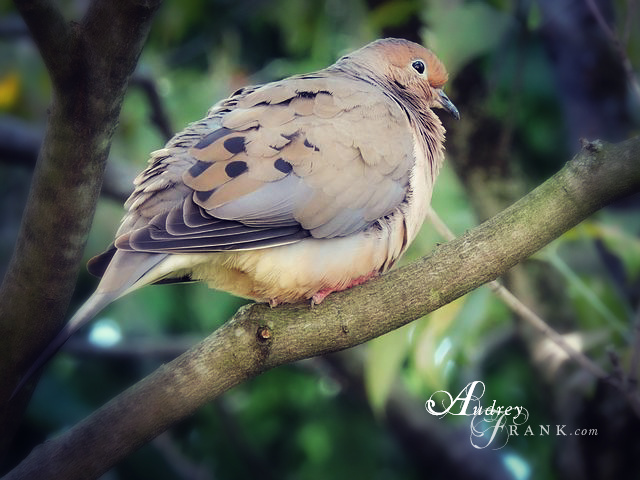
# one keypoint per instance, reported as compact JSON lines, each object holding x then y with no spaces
{"x":212,"y":137}
{"x":204,"y":196}
{"x":291,"y":136}
{"x":282,"y":165}
{"x":308,"y":144}
{"x":199,"y":167}
{"x":234,"y":145}
{"x":233,"y":169}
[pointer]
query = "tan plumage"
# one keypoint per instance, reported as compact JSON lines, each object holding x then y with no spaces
{"x":289,"y":190}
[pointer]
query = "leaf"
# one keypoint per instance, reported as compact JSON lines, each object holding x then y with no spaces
{"x":573,"y":254}
{"x":624,"y":244}
{"x":460,"y":32}
{"x":433,"y":345}
{"x":9,"y":90}
{"x":385,"y":356}
{"x":393,"y":13}
{"x":581,"y":288}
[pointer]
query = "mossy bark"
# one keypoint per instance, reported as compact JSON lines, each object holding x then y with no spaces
{"x":89,"y":63}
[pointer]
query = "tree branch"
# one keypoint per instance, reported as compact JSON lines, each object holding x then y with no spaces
{"x":89,"y":64}
{"x":52,"y":34}
{"x":258,"y":338}
{"x":617,"y":45}
{"x":158,"y":115}
{"x":20,"y":144}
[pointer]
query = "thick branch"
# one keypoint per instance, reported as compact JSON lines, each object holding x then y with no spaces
{"x":52,"y":35}
{"x":259,"y":338}
{"x":20,"y":145}
{"x":89,"y":64}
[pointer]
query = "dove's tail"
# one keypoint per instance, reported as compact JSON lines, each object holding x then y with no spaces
{"x":127,"y":271}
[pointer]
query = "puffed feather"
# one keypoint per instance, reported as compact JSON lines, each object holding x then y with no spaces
{"x":288,"y":190}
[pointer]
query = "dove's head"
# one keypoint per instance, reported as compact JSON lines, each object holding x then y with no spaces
{"x":411,"y":71}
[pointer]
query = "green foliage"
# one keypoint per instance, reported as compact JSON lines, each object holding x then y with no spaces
{"x":469,"y":21}
{"x":308,"y":423}
{"x":386,"y":355}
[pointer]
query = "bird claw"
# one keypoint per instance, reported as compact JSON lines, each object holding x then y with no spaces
{"x":320,"y":295}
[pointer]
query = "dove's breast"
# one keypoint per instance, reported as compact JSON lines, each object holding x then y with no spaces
{"x":297,"y":271}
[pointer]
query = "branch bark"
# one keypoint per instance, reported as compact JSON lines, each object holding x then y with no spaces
{"x":258,"y":338}
{"x":89,"y":63}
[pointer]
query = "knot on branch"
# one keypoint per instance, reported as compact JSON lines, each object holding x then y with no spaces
{"x":594,"y":146}
{"x":263,"y":334}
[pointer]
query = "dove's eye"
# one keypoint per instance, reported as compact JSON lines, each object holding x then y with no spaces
{"x":419,"y":66}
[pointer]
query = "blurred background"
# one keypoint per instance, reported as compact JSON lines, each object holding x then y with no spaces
{"x":530,"y":78}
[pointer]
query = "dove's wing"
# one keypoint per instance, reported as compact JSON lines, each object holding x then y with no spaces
{"x":309,"y":156}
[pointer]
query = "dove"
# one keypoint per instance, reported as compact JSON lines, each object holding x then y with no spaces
{"x":286,"y":191}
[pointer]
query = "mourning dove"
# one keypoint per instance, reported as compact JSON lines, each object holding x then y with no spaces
{"x":287,"y":191}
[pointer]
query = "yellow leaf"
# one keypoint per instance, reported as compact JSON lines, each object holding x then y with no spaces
{"x":9,"y":90}
{"x":433,"y":347}
{"x":385,"y":356}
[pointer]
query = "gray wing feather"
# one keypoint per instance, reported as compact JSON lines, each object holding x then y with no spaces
{"x":272,"y":165}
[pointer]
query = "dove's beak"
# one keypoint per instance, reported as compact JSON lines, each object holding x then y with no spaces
{"x":448,"y":104}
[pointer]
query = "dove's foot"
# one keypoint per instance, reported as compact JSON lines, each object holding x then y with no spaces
{"x":320,"y":295}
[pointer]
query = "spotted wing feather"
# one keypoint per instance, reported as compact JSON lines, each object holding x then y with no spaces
{"x":272,"y":165}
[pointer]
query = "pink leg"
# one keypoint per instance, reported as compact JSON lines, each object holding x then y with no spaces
{"x":320,"y":295}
